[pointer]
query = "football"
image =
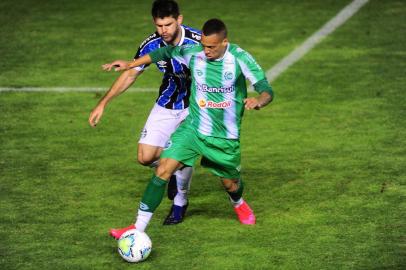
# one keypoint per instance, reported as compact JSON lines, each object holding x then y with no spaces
{"x":134,"y":246}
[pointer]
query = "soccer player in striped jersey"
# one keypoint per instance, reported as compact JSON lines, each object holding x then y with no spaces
{"x":171,"y":106}
{"x":212,"y":129}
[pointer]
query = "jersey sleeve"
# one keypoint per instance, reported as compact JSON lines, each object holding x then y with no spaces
{"x":249,"y":67}
{"x":264,"y":86}
{"x":148,"y":45}
{"x":182,"y":54}
{"x":140,"y":53}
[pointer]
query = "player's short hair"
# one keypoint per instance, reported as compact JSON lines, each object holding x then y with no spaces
{"x":165,"y":8}
{"x":214,"y":26}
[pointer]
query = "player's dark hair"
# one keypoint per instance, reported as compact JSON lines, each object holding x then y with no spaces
{"x":214,"y":26}
{"x":165,"y":8}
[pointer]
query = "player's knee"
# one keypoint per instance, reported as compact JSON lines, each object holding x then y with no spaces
{"x":162,"y":172}
{"x":145,"y":160}
{"x":230,"y":185}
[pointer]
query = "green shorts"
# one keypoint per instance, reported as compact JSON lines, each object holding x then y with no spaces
{"x":221,"y":156}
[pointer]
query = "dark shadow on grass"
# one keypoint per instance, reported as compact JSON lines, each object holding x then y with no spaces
{"x":211,"y":210}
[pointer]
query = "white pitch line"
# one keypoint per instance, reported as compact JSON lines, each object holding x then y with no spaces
{"x":314,"y":39}
{"x":271,"y":74}
{"x":71,"y":89}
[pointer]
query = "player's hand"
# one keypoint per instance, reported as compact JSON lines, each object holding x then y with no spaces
{"x":252,"y":103}
{"x":95,"y":115}
{"x":118,"y":65}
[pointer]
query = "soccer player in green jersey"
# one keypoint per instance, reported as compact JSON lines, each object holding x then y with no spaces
{"x":218,"y":98}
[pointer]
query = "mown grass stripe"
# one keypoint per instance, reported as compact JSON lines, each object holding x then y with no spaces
{"x":345,"y":14}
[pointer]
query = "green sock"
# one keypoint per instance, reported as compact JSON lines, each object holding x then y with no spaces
{"x":153,"y":194}
{"x":236,"y":195}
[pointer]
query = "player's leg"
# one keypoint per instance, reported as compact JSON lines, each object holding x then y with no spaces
{"x":223,"y":158}
{"x":155,"y":190}
{"x":235,"y":188}
{"x":179,"y":153}
{"x":152,"y":196}
{"x":181,"y":180}
{"x":182,"y":147}
{"x":180,"y":202}
{"x":159,"y":127}
{"x":154,"y":136}
{"x":148,"y":155}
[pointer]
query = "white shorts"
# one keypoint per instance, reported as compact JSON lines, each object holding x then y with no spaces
{"x":160,"y":125}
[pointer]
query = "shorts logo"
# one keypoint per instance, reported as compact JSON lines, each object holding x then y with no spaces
{"x":214,"y":105}
{"x":144,"y":133}
{"x":168,"y":145}
{"x":143,"y":206}
{"x":228,"y":76}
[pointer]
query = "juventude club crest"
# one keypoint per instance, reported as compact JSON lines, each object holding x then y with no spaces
{"x":228,"y":75}
{"x":168,"y":145}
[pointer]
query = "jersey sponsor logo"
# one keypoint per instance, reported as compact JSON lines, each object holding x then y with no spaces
{"x":208,"y":89}
{"x":148,"y":39}
{"x":202,"y":103}
{"x":195,"y":36}
{"x":214,"y":105}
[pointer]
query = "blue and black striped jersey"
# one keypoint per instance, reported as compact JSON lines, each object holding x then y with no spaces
{"x":174,"y":91}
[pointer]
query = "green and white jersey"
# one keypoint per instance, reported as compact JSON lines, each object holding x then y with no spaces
{"x":218,"y":87}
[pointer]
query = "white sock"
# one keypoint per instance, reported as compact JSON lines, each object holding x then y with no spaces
{"x":237,"y":203}
{"x":183,"y":180}
{"x":180,"y":199}
{"x":143,"y":219}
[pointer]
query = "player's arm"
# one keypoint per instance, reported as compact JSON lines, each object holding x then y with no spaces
{"x":157,"y":55}
{"x":256,"y":76}
{"x":264,"y":98}
{"x":123,"y":82}
{"x":120,"y":65}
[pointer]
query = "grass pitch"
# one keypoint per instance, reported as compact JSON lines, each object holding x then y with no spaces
{"x":324,"y":165}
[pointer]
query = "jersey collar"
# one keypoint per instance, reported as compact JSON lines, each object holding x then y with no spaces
{"x":224,"y":55}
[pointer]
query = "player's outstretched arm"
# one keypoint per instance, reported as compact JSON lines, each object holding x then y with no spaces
{"x":123,"y":82}
{"x":120,"y":65}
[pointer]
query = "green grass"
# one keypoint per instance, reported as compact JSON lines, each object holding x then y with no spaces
{"x":324,"y":165}
{"x":64,"y":43}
